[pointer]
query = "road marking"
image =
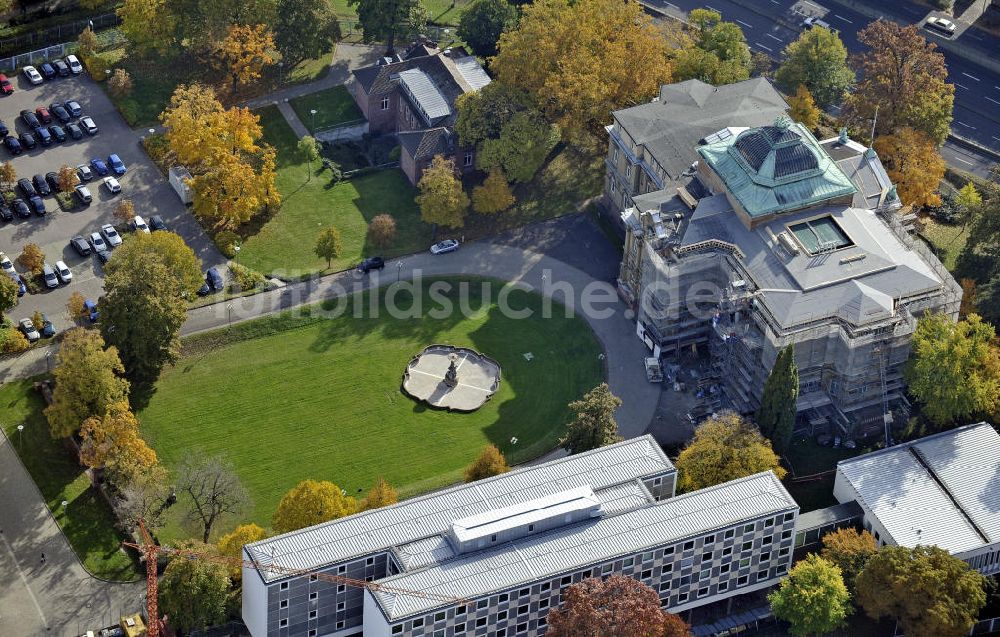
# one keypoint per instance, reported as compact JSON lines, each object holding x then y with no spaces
{"x":670,"y":4}
{"x":961,"y":86}
{"x":711,"y":9}
{"x":842,"y":18}
{"x":993,"y":100}
{"x":813,"y":4}
{"x":971,"y":77}
{"x":966,"y":125}
{"x":773,"y":37}
{"x":775,"y":2}
{"x":749,"y":26}
{"x":996,"y":138}
{"x":24,"y":580}
{"x":964,"y":161}
{"x":764,"y":47}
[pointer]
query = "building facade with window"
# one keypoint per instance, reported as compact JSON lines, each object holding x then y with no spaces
{"x":496,"y":553}
{"x":413,"y":97}
{"x":938,"y":490}
{"x":770,"y":238}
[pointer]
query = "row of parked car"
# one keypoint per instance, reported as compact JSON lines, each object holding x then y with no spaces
{"x":69,"y":65}
{"x":44,"y":129}
{"x":42,"y":186}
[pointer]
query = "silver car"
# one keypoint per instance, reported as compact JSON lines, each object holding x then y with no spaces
{"x":49,"y":274}
{"x":111,"y":235}
{"x":97,"y":241}
{"x":32,"y":75}
{"x":28,"y":328}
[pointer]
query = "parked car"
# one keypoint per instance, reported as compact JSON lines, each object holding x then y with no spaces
{"x":941,"y":25}
{"x":74,"y":131}
{"x":28,"y":329}
{"x":97,"y":241}
{"x":5,"y":85}
{"x":5,"y":212}
{"x":44,"y":136}
{"x":52,"y":179}
{"x":99,"y":166}
{"x":83,"y":194}
{"x":32,"y":75}
{"x":47,"y":70}
{"x":60,"y":112}
{"x":74,"y":108}
{"x":156,"y":223}
{"x":42,"y":186}
{"x":6,"y":264}
{"x":111,"y":235}
{"x":74,"y":65}
{"x":103,"y":256}
{"x":21,"y":208}
{"x":84,"y":173}
{"x":87,"y":122}
{"x":112,"y":185}
{"x":22,"y":289}
{"x":48,"y":329}
{"x":62,"y":69}
{"x":30,"y":119}
{"x":371,"y":263}
{"x":25,"y":186}
{"x":4,"y":131}
{"x":43,"y":114}
{"x":38,"y":205}
{"x":90,"y":309}
{"x":139,"y":224}
{"x":117,"y":165}
{"x":213,"y":282}
{"x":448,"y":245}
{"x":13,"y":145}
{"x":63,"y":272}
{"x":80,"y":245}
{"x":58,"y":133}
{"x":27,"y":140}
{"x":49,"y":275}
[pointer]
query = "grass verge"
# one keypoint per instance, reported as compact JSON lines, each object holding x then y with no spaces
{"x":86,"y":519}
{"x":334,"y":106}
{"x":947,"y":240}
{"x":303,"y":395}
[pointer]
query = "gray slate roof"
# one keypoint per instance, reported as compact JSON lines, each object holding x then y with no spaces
{"x":380,"y":530}
{"x":686,"y":112}
{"x":421,"y":144}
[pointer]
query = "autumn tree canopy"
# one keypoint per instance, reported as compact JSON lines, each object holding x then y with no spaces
{"x":614,"y":607}
{"x":914,"y":165}
{"x":311,"y":502}
{"x":441,"y":199}
{"x":724,"y":448}
{"x":489,"y":463}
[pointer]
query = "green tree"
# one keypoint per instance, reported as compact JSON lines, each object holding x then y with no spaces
{"x":927,"y":590}
{"x":389,"y":20}
{"x":618,"y":605}
{"x":88,"y":380}
{"x":718,"y":54}
{"x":905,"y":78}
{"x":850,"y":550}
{"x":380,"y":495}
{"x":489,"y":463}
{"x":329,"y":245}
{"x":8,"y":293}
{"x":813,"y":598}
{"x":194,"y":593}
{"x":149,"y":26}
{"x":776,"y":414}
{"x":483,"y":113}
{"x":725,"y":447}
{"x":311,"y":502}
{"x":141,"y":313}
{"x":803,"y":109}
{"x":968,"y":197}
{"x":304,"y":29}
{"x":954,"y":368}
{"x":493,"y":195}
{"x":818,"y":61}
{"x":483,"y":22}
{"x":308,"y":150}
{"x":441,"y":199}
{"x":522,"y":146}
{"x":87,"y":42}
{"x":594,"y":423}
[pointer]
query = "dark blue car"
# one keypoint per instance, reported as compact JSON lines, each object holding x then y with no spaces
{"x":90,"y":309}
{"x":117,"y":164}
{"x":47,"y":70}
{"x":21,"y":287}
{"x":99,"y":166}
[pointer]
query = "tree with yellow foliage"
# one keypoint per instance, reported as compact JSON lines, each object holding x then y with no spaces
{"x":803,"y":109}
{"x":441,"y":197}
{"x":231,"y":544}
{"x":148,"y":25}
{"x":493,"y":195}
{"x":113,"y":442}
{"x":725,"y":447}
{"x":380,"y":495}
{"x":231,"y":192}
{"x":311,"y":502}
{"x":914,"y":166}
{"x":581,"y":60}
{"x":245,"y":52}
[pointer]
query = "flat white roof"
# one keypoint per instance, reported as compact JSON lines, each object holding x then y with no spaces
{"x":942,"y":490}
{"x":518,"y":515}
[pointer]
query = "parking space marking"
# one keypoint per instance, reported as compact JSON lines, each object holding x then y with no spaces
{"x":964,"y":161}
{"x":749,"y":26}
{"x":764,"y":47}
{"x":964,"y":124}
{"x":992,"y":100}
{"x":961,"y":86}
{"x":842,"y":18}
{"x":971,"y":77}
{"x":773,"y":37}
{"x":712,"y":9}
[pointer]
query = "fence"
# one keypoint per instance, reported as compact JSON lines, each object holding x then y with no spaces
{"x":12,"y":64}
{"x":55,"y":34}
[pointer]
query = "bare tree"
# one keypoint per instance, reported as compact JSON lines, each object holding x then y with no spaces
{"x":145,"y":498}
{"x":214,"y":489}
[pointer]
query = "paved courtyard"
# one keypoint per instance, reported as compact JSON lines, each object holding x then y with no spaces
{"x":143,"y":184}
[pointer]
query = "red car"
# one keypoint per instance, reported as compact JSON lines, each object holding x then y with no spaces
{"x":5,"y":85}
{"x":43,"y":114}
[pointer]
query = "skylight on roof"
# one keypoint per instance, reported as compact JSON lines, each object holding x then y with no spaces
{"x":820,"y":235}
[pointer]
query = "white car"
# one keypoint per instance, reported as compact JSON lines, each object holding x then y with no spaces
{"x":74,"y":64}
{"x":32,"y":75}
{"x":6,"y":265}
{"x":139,"y":224}
{"x":50,"y":277}
{"x":62,"y":271}
{"x":942,"y":25}
{"x":111,"y":235}
{"x":448,"y":245}
{"x":112,"y":185}
{"x":97,"y":241}
{"x":28,"y":329}
{"x":84,"y":173}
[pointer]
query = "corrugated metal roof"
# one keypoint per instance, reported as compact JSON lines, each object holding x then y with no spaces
{"x":570,"y":548}
{"x":571,"y":501}
{"x":942,"y":490}
{"x":379,"y":530}
{"x":425,"y":93}
{"x":470,"y":70}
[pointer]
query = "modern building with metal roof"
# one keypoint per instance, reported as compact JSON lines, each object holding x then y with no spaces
{"x":941,"y":490}
{"x":771,"y":238}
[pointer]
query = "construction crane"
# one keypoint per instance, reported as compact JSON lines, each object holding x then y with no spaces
{"x":150,"y":550}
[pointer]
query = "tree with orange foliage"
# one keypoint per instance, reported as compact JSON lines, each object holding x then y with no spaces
{"x":914,"y":166}
{"x":246,"y":51}
{"x":616,"y":606}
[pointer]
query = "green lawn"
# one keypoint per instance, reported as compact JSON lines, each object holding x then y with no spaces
{"x":946,"y":239}
{"x":333,"y":106}
{"x":438,"y":11}
{"x":86,"y":520}
{"x":293,"y":397}
{"x":284,"y":245}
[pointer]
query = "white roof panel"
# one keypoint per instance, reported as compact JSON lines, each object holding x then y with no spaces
{"x":426,"y":93}
{"x":554,"y":505}
{"x":470,"y":70}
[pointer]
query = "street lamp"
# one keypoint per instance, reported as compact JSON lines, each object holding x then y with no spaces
{"x":236,"y":250}
{"x":20,"y":445}
{"x":312,"y":121}
{"x":399,"y":269}
{"x":229,"y":310}
{"x":48,"y":367}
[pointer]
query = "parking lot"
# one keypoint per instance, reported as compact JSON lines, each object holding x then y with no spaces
{"x":142,"y":183}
